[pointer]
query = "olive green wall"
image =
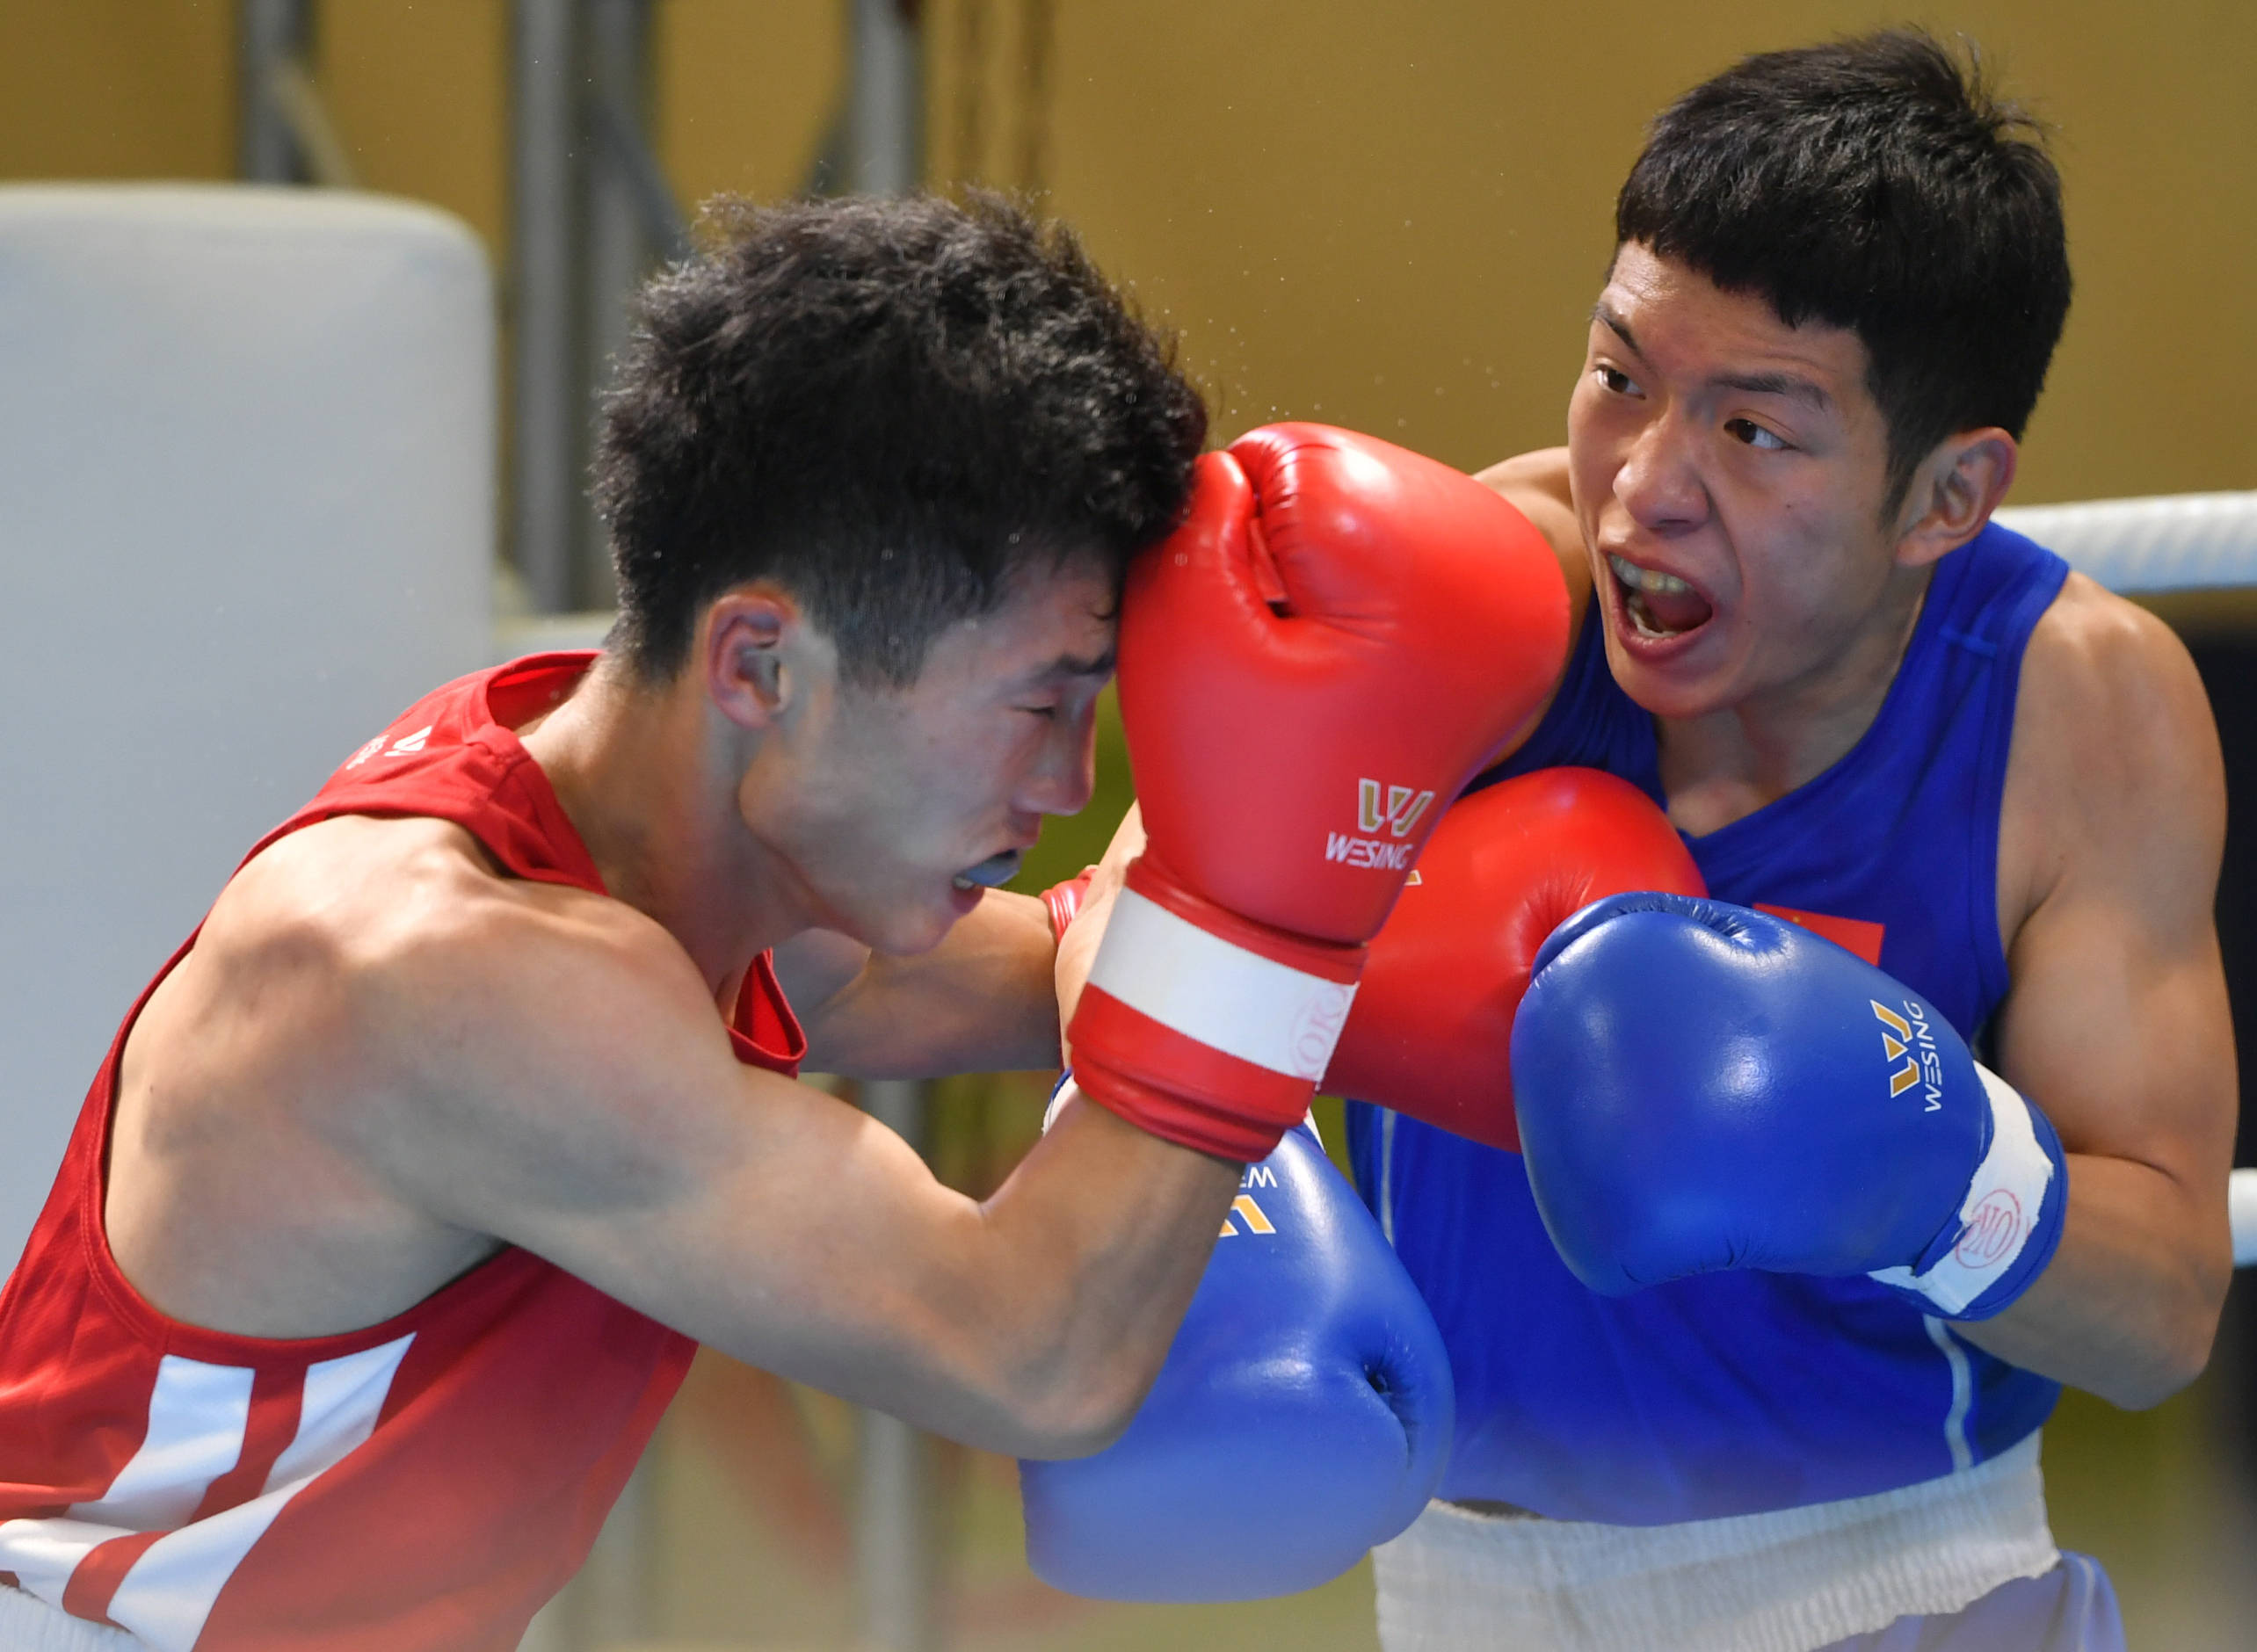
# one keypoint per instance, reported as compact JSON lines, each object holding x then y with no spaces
{"x":1391,"y":217}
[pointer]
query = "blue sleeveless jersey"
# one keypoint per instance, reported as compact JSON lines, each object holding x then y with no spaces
{"x":1736,"y":1393}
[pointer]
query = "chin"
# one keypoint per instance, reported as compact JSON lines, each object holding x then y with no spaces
{"x":1666,"y":689}
{"x":1675,"y":694}
{"x":910,"y":931}
{"x":1660,"y":695}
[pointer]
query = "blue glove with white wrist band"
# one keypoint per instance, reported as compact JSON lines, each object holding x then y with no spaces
{"x":1703,"y":1087}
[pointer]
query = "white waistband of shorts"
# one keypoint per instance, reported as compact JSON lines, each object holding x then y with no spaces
{"x":1789,"y":1581}
{"x":28,"y":1624}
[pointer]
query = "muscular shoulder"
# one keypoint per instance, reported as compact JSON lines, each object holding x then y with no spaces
{"x":425,"y":972}
{"x":2115,"y":764}
{"x":1536,"y":485}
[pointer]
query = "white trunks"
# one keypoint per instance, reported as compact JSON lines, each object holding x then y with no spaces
{"x":1783,"y":1581}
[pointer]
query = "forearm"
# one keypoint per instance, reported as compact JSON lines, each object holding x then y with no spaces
{"x":2129,"y":1305}
{"x":982,"y":1001}
{"x":1078,"y":946}
{"x":1088,"y":1257}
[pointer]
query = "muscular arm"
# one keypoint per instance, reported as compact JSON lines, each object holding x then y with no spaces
{"x":1536,"y":485}
{"x":584,"y":1103}
{"x":2118,"y":1024}
{"x":979,"y":1001}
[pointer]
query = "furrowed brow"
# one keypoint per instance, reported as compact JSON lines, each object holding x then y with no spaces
{"x":1786,"y":384}
{"x":1614,"y":323}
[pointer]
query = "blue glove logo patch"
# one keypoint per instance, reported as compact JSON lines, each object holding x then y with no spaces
{"x":1243,"y":1208}
{"x":1898,"y":1042}
{"x":1246,"y":1210}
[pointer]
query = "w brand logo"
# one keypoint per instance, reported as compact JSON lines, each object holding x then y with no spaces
{"x":1246,"y":1210}
{"x":1896,"y":1042}
{"x":1401,"y":810}
{"x":1397,"y":807}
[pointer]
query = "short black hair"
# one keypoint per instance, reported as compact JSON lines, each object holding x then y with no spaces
{"x":1877,"y":184}
{"x":889,"y":407}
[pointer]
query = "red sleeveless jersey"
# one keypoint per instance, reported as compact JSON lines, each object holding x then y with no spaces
{"x":424,"y":1483}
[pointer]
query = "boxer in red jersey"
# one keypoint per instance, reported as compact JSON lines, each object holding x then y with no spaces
{"x":390,"y":1225}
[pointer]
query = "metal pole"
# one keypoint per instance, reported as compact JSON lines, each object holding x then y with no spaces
{"x":886,"y":108}
{"x":618,"y":249}
{"x":894,"y":1538}
{"x":268,"y":35}
{"x":546,"y":408}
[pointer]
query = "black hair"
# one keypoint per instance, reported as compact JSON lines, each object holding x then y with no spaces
{"x":1879,"y":185}
{"x":890,"y":408}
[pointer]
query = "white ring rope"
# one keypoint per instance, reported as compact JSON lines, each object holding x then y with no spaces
{"x":2179,"y":541}
{"x":2241,"y":1215}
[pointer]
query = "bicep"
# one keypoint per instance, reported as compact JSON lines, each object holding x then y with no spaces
{"x":2118,"y":1027}
{"x":568,"y":1088}
{"x":781,"y":1225}
{"x":2118,"y":1024}
{"x":1537,"y":485}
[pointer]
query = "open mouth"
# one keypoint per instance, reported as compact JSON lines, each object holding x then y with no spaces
{"x":1659,"y":604}
{"x":996,"y":869}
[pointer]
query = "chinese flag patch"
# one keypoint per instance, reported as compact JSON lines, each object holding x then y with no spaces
{"x":1851,"y":934}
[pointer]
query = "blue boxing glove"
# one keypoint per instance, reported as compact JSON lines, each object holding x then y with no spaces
{"x":1304,"y":1414}
{"x":1703,"y":1087}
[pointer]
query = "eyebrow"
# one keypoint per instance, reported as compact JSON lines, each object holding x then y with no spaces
{"x":1605,"y":318}
{"x":1076,"y":665}
{"x":1787,"y":384}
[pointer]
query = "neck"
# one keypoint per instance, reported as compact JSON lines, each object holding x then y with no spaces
{"x":1723,"y":766}
{"x":650,"y":780}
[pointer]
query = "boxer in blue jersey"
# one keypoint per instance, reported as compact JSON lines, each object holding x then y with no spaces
{"x":1899,"y":732}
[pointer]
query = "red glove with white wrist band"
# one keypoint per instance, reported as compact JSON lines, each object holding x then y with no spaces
{"x":1431,"y":1032}
{"x":1341,"y":635}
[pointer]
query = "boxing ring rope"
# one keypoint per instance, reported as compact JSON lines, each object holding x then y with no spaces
{"x":2241,"y":1212}
{"x":2172,"y":542}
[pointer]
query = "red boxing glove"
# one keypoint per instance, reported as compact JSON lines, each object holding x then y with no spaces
{"x":1340,"y":635}
{"x":1433,"y":1024}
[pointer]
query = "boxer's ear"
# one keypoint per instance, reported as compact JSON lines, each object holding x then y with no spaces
{"x":1953,"y":493}
{"x":755,"y":648}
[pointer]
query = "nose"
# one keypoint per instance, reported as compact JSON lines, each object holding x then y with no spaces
{"x":1064,"y":777}
{"x":1658,"y":483}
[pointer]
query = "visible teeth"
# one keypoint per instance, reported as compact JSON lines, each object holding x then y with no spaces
{"x":964,"y":882}
{"x":1645,"y":578}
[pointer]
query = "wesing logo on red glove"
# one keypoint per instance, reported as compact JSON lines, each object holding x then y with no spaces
{"x":1397,"y":807}
{"x":1898,"y":1042}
